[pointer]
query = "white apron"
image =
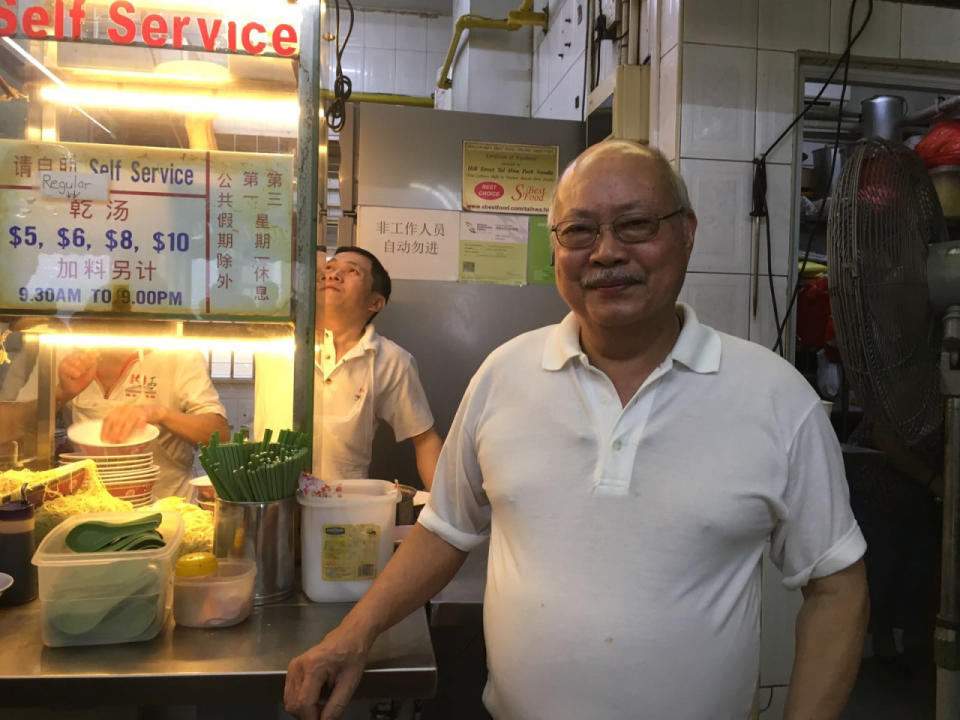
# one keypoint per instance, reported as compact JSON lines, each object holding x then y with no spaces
{"x":344,"y":421}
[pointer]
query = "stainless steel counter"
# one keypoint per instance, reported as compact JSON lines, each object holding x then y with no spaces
{"x":183,"y":666}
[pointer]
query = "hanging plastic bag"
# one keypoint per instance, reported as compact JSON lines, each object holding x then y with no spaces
{"x":941,"y":146}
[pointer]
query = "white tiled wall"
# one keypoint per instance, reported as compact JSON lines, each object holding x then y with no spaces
{"x":930,"y":33}
{"x":720,"y":22}
{"x":789,"y":25}
{"x":492,"y":72}
{"x":720,"y":192}
{"x":669,"y":25}
{"x":718,"y":98}
{"x":776,"y":103}
{"x":667,"y":109}
{"x":558,"y":89}
{"x":881,"y":37}
{"x":237,"y":398}
{"x":394,"y":52}
{"x":719,"y":300}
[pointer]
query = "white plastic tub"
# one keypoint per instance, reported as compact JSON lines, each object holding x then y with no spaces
{"x":346,"y":541}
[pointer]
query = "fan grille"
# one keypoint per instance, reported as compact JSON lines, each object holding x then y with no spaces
{"x":883,"y":216}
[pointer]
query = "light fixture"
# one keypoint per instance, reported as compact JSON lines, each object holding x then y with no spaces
{"x":43,"y":68}
{"x":178,"y":101}
{"x":169,"y":74}
{"x":278,"y":346}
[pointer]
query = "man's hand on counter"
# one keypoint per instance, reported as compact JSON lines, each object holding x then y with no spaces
{"x":336,"y":662}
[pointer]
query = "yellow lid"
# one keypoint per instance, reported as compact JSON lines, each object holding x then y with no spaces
{"x":196,"y":564}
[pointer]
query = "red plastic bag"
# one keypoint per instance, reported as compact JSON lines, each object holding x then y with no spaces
{"x":814,"y":323}
{"x":940,"y":146}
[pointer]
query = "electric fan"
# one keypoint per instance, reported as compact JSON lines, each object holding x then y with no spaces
{"x":895,"y":299}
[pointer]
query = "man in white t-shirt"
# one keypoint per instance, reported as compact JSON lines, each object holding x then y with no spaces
{"x":129,"y":388}
{"x":362,"y":378}
{"x":629,"y":467}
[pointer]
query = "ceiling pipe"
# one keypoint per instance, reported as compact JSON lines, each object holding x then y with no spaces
{"x":383,"y":98}
{"x":935,"y":111}
{"x":515,"y":20}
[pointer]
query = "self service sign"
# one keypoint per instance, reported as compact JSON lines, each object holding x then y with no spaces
{"x":114,"y":229}
{"x":126,"y":24}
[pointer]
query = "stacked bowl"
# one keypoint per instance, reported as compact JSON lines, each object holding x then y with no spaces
{"x":129,"y":477}
{"x":126,"y":469}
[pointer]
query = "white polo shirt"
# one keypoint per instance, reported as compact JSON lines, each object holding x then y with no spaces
{"x":375,"y":380}
{"x":625,"y":542}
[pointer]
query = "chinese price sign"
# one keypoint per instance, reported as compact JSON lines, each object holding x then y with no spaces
{"x":176,"y":233}
{"x":412,"y":244}
{"x":507,"y":178}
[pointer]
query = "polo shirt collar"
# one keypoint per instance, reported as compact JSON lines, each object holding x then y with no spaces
{"x":698,"y":347}
{"x":368,"y":342}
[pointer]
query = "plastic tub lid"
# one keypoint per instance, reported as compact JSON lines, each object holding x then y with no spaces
{"x":355,"y":492}
{"x":228,"y":571}
{"x":53,"y":550}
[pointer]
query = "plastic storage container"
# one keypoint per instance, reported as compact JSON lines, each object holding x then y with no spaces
{"x":105,"y":597}
{"x":219,"y":599}
{"x":345,"y":541}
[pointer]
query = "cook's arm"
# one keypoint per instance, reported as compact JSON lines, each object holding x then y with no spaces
{"x":427,"y":446}
{"x":419,"y":569}
{"x":829,"y":633}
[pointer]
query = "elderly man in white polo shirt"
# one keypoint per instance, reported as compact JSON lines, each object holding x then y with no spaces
{"x":361,"y":377}
{"x":629,"y":466}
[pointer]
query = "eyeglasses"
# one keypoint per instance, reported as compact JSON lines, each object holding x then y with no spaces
{"x":630,"y":228}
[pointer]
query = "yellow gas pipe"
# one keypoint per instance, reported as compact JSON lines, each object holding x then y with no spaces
{"x":516,"y":19}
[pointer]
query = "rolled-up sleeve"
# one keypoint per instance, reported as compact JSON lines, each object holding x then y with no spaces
{"x":458,"y":510}
{"x":818,"y":534}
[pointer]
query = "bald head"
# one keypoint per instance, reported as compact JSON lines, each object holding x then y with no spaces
{"x":625,"y":148}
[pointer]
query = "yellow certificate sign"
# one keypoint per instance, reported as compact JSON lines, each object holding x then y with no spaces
{"x":506,"y":178}
{"x":130,"y":230}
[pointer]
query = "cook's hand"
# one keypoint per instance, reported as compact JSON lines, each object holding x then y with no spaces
{"x":123,"y":420}
{"x":338,"y":662}
{"x":76,"y":371}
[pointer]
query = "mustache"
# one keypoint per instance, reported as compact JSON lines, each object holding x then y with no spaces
{"x":611,"y":276}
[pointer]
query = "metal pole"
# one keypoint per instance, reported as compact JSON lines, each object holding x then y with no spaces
{"x":308,"y":175}
{"x":946,"y":639}
{"x":46,"y":405}
{"x":633,"y":34}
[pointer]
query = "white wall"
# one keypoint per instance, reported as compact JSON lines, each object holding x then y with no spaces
{"x":558,"y":90}
{"x":492,"y":70}
{"x":393,"y":52}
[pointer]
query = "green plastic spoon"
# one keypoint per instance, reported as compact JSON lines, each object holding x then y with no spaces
{"x":139,"y":541}
{"x":95,"y":535}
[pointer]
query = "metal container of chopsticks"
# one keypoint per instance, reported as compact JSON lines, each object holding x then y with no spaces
{"x":264,"y":532}
{"x":256,"y":471}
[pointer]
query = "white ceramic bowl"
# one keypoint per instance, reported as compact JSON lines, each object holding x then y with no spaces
{"x":5,"y":582}
{"x":86,"y":437}
{"x":204,"y":488}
